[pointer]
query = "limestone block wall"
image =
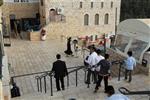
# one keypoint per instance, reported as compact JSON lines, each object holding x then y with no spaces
{"x":1,"y":86}
{"x":6,"y":79}
{"x":74,"y":25}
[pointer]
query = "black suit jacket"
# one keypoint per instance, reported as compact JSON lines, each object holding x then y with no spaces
{"x":59,"y":68}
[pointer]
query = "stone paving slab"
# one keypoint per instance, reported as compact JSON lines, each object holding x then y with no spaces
{"x":28,"y":57}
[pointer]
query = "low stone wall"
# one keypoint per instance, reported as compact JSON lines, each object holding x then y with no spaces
{"x":6,"y":80}
{"x":147,"y":58}
{"x":140,"y":69}
{"x":35,"y":36}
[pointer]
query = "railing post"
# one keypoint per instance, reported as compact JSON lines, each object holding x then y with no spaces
{"x":37,"y":80}
{"x":67,"y":81}
{"x":40,"y":84}
{"x":45,"y":84}
{"x":51,"y":85}
{"x":119,"y":71}
{"x":85,"y":75}
{"x":92,"y":77}
{"x":76,"y":78}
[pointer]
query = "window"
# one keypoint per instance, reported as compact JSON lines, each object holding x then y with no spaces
{"x":106,"y":19}
{"x":111,"y":5}
{"x":24,"y":0}
{"x":102,"y":4}
{"x":91,"y":4}
{"x":91,"y":38}
{"x":80,"y":4}
{"x":41,"y":2}
{"x":96,"y":37}
{"x":16,"y":0}
{"x":86,"y":19}
{"x":97,"y":19}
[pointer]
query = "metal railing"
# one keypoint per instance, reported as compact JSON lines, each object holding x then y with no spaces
{"x":50,"y":74}
{"x":125,"y":91}
{"x":121,"y":68}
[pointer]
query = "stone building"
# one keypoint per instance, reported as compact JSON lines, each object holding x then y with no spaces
{"x":24,"y":12}
{"x":63,"y":17}
{"x":79,"y":17}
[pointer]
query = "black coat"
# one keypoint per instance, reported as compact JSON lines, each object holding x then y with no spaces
{"x":105,"y":67}
{"x":59,"y":68}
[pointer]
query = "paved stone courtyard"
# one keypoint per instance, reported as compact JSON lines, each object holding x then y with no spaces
{"x":35,"y":56}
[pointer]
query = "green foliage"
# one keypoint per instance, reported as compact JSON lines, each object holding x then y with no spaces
{"x":1,"y":2}
{"x":135,"y":9}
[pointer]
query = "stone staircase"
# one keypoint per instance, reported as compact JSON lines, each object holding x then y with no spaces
{"x":83,"y":93}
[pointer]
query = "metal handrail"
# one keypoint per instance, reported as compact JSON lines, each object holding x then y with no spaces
{"x":125,"y":91}
{"x":120,"y":62}
{"x":43,"y":76}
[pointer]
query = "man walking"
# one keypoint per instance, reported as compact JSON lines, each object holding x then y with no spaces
{"x":60,"y":71}
{"x":103,"y":73}
{"x":130,"y":64}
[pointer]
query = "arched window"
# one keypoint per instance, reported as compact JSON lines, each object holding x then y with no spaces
{"x":91,"y":4}
{"x":106,"y":19}
{"x":111,"y":4}
{"x":81,"y":4}
{"x":52,"y":14}
{"x":97,"y":19}
{"x":102,"y":4}
{"x":86,"y":19}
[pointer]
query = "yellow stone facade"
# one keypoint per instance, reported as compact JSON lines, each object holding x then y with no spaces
{"x":74,"y":16}
{"x":74,"y":24}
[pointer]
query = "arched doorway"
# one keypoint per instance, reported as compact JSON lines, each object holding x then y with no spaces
{"x":52,"y":15}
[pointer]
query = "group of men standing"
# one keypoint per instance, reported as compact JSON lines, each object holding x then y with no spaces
{"x":99,"y":66}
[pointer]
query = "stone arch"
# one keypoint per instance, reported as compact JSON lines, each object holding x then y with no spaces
{"x":52,"y":14}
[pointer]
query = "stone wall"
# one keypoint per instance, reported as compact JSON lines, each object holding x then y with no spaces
{"x":139,"y":69}
{"x":74,"y":24}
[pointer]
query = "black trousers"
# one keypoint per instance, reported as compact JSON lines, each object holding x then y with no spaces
{"x":89,"y":76}
{"x":100,"y":80}
{"x":130,"y":74}
{"x":60,"y":79}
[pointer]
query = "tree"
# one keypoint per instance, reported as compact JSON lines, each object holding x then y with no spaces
{"x":1,"y":2}
{"x":135,"y":9}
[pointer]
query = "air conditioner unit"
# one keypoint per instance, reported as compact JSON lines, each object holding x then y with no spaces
{"x":60,"y":10}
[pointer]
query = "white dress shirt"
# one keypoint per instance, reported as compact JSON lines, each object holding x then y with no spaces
{"x":130,"y":63}
{"x":92,"y":60}
{"x":99,"y":58}
{"x":118,"y":97}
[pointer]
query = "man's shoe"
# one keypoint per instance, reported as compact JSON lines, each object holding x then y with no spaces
{"x":129,"y":81}
{"x":94,"y":82}
{"x":63,"y":88}
{"x":105,"y":91}
{"x":86,"y":82}
{"x":58,"y":90}
{"x":95,"y":91}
